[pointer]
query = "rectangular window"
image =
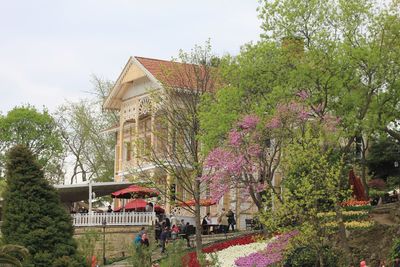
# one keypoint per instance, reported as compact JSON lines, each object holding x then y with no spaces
{"x":128,"y":151}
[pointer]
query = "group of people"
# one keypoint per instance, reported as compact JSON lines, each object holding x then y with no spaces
{"x":225,"y":220}
{"x":164,"y":231}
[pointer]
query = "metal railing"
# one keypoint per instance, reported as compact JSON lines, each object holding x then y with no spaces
{"x":113,"y":218}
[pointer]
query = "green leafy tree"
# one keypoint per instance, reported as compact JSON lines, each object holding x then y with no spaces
{"x":32,"y":213}
{"x":81,"y":125}
{"x":311,"y":186}
{"x":382,"y":157}
{"x":36,"y":130}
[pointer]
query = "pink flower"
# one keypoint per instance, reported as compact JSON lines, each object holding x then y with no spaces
{"x":274,"y":123}
{"x":303,"y":94}
{"x":249,"y":122}
{"x":254,"y":150}
{"x":235,"y":138}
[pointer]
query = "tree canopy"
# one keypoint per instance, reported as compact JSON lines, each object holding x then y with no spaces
{"x":36,"y":130}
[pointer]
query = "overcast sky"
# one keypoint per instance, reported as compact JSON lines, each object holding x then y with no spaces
{"x":49,"y":49}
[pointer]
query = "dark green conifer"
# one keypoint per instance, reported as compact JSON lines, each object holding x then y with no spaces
{"x":32,"y":212}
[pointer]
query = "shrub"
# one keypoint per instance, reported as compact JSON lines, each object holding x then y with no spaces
{"x":307,"y":257}
{"x":141,"y":255}
{"x":32,"y":212}
{"x":175,"y":253}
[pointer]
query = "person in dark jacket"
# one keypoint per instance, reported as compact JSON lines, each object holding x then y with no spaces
{"x":231,"y":220}
{"x":185,"y":232}
{"x":163,"y":238}
{"x":158,"y":230}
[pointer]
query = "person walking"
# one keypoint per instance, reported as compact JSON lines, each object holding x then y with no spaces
{"x":223,"y":221}
{"x":185,"y":232}
{"x":157,"y":230}
{"x":205,"y":224}
{"x":231,"y":220}
{"x":163,"y":238}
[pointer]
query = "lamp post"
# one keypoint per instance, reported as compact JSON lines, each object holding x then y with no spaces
{"x":104,"y":223}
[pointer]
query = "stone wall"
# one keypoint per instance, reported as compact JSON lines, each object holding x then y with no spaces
{"x":118,"y":239}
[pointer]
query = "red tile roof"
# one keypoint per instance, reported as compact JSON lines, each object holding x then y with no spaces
{"x":176,"y":74}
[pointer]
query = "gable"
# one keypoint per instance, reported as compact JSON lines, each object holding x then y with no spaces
{"x":132,"y":72}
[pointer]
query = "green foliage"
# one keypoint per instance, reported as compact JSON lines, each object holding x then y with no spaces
{"x":382,"y":155}
{"x":81,"y":125}
{"x":32,"y":213}
{"x":87,"y":243}
{"x":307,"y":257}
{"x":312,"y":174}
{"x":175,"y":253}
{"x":395,"y":251}
{"x":37,"y":131}
{"x":141,"y":255}
{"x":217,"y":114}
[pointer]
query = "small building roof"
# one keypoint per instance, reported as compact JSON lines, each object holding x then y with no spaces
{"x":162,"y":73}
{"x":78,"y":192}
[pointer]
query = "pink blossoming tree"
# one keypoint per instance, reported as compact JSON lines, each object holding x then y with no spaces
{"x":251,"y":154}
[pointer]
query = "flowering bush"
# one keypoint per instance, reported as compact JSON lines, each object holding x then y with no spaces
{"x":271,"y":255}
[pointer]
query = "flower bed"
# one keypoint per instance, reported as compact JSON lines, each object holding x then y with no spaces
{"x":190,"y":259}
{"x":353,"y":202}
{"x":227,"y":256}
{"x":353,"y":225}
{"x":272,"y":254}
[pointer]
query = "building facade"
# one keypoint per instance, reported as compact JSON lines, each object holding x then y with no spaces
{"x":131,"y":96}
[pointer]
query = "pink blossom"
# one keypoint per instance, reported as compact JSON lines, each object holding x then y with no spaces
{"x":303,"y":115}
{"x":260,"y":187}
{"x":254,"y":150}
{"x":249,"y":122}
{"x":303,"y":94}
{"x":235,"y":138}
{"x":274,"y":123}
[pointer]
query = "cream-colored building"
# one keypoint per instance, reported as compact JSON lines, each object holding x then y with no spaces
{"x":131,"y":97}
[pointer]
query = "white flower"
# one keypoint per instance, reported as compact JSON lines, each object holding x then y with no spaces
{"x":227,"y":257}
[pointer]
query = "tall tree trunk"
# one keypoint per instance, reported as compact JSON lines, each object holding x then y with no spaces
{"x":364,"y":169}
{"x":197,"y":218}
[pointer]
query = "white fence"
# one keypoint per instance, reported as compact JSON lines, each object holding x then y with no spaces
{"x":113,"y":218}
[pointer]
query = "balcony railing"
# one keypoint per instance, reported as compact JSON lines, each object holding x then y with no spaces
{"x":113,"y":218}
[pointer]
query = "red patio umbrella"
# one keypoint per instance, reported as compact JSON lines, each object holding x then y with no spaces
{"x":134,"y":191}
{"x":139,"y":205}
{"x":203,"y":202}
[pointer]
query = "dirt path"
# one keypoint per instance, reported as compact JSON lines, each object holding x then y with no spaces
{"x":384,"y":219}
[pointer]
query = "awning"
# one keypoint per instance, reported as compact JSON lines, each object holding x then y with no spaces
{"x":138,"y":205}
{"x":78,"y":192}
{"x":135,"y":191}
